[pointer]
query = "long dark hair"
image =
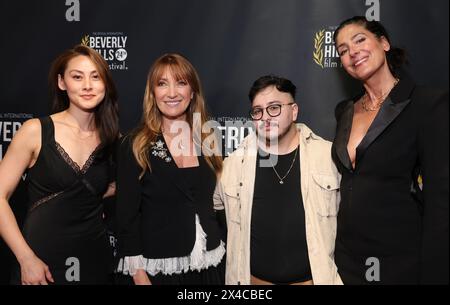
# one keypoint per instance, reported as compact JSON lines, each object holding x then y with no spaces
{"x":107,"y":112}
{"x":396,"y":57}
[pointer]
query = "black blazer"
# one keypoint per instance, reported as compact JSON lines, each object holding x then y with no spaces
{"x":383,"y":213}
{"x":156,"y":215}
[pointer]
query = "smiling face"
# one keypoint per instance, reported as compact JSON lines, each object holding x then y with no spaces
{"x":362,"y":53}
{"x":276,"y":127}
{"x":172,"y":95}
{"x":83,"y":84}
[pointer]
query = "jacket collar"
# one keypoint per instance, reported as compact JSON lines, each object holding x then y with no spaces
{"x":306,"y":133}
{"x":399,"y":98}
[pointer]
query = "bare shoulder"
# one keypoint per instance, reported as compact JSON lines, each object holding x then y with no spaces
{"x":56,"y":117}
{"x":29,"y":134}
{"x":31,"y":127}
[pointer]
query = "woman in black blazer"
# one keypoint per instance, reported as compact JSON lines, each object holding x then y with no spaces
{"x":391,"y":230}
{"x":168,"y":230}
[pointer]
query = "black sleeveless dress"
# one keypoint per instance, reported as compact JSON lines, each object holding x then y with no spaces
{"x":64,"y":225}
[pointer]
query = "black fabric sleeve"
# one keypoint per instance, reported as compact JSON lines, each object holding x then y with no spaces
{"x":222,"y":220}
{"x":338,"y":110}
{"x":434,"y":159}
{"x":128,"y":199}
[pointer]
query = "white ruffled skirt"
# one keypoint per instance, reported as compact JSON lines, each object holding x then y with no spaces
{"x":198,"y":260}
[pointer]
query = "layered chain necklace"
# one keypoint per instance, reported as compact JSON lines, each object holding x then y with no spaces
{"x":281,"y":179}
{"x":379,"y":100}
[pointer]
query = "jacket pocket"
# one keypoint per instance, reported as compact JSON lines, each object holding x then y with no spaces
{"x":327,"y":188}
{"x":233,"y":206}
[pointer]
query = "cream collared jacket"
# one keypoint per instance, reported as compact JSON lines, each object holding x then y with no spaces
{"x":320,"y":191}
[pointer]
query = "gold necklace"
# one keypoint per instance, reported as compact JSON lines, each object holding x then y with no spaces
{"x":380,"y":100}
{"x":289,"y":170}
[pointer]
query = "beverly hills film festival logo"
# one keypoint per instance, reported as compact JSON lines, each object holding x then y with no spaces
{"x":111,"y":45}
{"x":325,"y":54}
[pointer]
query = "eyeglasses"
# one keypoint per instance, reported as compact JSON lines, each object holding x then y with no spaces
{"x":272,"y":110}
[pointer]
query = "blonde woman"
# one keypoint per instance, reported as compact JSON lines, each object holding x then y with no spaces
{"x":168,"y":230}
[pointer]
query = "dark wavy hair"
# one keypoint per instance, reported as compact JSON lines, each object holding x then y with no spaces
{"x":107,"y":112}
{"x":396,"y":57}
{"x":282,"y":84}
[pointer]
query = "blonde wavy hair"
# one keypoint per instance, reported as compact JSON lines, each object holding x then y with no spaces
{"x":151,"y":123}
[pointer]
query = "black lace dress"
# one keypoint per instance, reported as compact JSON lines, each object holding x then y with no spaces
{"x":64,"y":225}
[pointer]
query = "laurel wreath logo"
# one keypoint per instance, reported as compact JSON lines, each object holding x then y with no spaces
{"x":85,"y":40}
{"x":420,"y":181}
{"x":318,"y":48}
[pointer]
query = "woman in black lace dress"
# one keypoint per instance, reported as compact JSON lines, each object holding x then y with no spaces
{"x":68,"y":159}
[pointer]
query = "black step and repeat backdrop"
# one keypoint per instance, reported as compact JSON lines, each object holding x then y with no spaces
{"x":231,"y":43}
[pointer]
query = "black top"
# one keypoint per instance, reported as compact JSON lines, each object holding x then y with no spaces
{"x":156,"y":214}
{"x":65,"y":213}
{"x":379,"y":215}
{"x":279,"y":253}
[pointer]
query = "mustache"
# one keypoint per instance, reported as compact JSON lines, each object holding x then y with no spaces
{"x":264,"y":124}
